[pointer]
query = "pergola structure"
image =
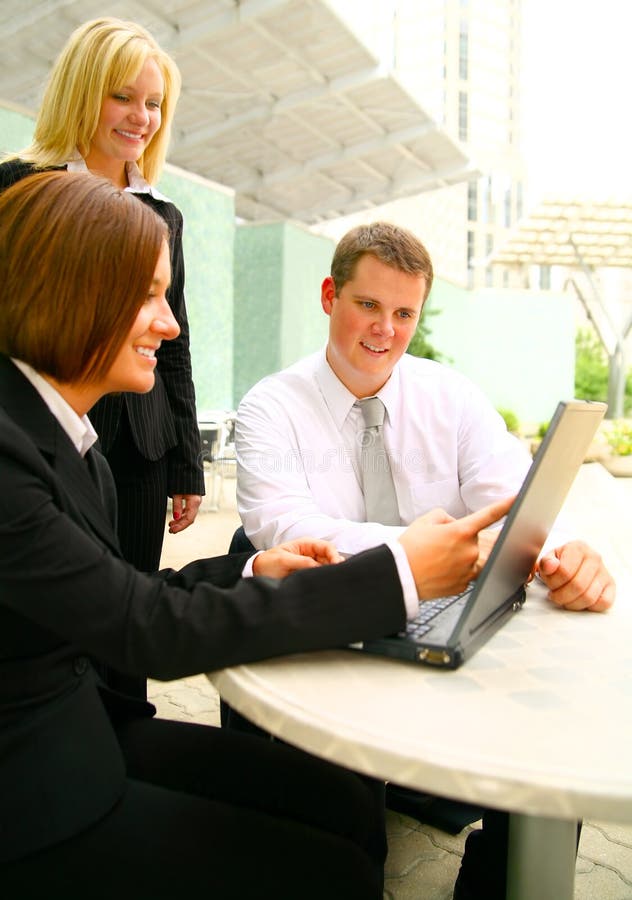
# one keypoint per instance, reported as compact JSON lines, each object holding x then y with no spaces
{"x":281,"y":101}
{"x":584,"y":236}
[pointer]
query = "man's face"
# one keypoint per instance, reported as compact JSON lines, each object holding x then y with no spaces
{"x":371,"y":323}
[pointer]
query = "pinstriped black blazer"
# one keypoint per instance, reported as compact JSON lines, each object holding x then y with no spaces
{"x":164,"y":420}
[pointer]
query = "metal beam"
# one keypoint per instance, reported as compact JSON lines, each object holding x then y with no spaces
{"x":434,"y":178}
{"x":31,"y":14}
{"x":240,"y":14}
{"x":342,"y":154}
{"x":285,"y":104}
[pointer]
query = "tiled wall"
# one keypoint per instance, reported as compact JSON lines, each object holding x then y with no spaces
{"x":518,"y":346}
{"x":279,"y":268}
{"x":209,"y":232}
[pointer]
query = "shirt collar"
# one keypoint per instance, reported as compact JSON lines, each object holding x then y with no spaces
{"x":137,"y":184}
{"x":390,"y":392}
{"x":78,"y":428}
{"x":340,"y":400}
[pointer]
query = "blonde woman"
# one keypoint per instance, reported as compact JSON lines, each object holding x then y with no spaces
{"x":107,"y":109}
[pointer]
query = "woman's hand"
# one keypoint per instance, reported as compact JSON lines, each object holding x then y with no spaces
{"x":303,"y":553}
{"x":185,"y":509}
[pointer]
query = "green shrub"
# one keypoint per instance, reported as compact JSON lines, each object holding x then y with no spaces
{"x":511,"y":420}
{"x":420,"y":345}
{"x":543,"y":427}
{"x":591,"y":370}
{"x":619,"y":437}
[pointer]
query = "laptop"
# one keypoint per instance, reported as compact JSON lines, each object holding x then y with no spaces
{"x":450,"y":630}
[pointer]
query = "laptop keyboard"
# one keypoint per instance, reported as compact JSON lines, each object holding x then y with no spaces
{"x":428,"y":610}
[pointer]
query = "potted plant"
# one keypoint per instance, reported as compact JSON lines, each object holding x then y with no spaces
{"x":618,"y":437}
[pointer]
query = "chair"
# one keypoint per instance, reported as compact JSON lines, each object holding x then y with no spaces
{"x":217,"y":430}
{"x":240,"y":543}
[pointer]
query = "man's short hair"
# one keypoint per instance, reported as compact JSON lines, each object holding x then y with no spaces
{"x":394,"y":246}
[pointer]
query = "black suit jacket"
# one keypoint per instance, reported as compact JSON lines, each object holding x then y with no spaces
{"x":163,"y":421}
{"x":67,"y":597}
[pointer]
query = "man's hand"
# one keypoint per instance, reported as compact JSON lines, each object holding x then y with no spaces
{"x":577,"y":578}
{"x":303,"y":553}
{"x":486,"y":541}
{"x":185,"y":509}
{"x":445,"y":553}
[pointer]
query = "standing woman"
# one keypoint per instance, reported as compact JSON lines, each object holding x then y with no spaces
{"x":108,"y":109}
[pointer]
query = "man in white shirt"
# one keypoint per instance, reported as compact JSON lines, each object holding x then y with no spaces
{"x":299,"y":435}
{"x":299,"y":432}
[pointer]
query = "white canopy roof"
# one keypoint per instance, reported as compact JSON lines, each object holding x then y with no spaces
{"x":281,"y":101}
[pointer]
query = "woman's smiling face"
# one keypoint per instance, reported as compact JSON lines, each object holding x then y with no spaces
{"x":129,"y":118}
{"x":133,"y":368}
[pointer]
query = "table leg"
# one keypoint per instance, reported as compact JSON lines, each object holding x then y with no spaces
{"x":541,"y":860}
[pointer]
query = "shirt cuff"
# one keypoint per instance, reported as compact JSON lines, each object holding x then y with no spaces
{"x":411,"y":600}
{"x":247,"y":571}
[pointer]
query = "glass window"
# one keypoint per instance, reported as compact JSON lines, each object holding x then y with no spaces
{"x":463,"y":116}
{"x":486,"y":200}
{"x":472,"y":201}
{"x":508,"y":208}
{"x":463,"y":51}
{"x":519,"y":200}
{"x":545,"y":278}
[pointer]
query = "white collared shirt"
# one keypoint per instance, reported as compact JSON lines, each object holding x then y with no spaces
{"x":78,"y":428}
{"x":298,"y":453}
{"x":135,"y":181}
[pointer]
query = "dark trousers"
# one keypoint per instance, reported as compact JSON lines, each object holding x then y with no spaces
{"x":141,"y":489}
{"x":210,"y":813}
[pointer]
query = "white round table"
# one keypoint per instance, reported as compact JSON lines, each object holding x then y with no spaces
{"x":538,"y":722}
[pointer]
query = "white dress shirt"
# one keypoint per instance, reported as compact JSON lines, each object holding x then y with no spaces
{"x":137,"y":184}
{"x":297,"y":452}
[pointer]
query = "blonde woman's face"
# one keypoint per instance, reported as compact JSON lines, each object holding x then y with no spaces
{"x":130,"y":117}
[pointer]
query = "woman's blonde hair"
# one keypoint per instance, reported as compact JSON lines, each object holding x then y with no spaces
{"x":99,"y":58}
{"x":77,"y":259}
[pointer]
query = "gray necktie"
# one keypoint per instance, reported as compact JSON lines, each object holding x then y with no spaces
{"x":377,"y":481}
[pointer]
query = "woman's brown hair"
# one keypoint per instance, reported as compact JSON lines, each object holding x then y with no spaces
{"x":77,"y":258}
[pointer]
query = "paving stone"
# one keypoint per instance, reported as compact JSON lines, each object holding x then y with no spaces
{"x":426,"y":879}
{"x":406,"y":850}
{"x":606,"y":860}
{"x":601,"y":883}
{"x":615,"y":832}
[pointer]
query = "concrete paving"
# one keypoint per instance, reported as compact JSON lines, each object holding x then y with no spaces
{"x":422,"y":861}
